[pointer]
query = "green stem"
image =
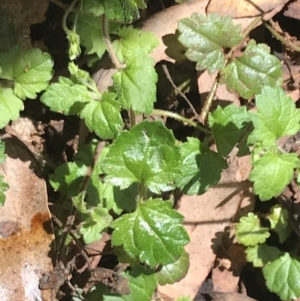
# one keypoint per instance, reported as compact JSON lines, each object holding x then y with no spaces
{"x":109,"y":47}
{"x":180,"y":118}
{"x":68,"y":11}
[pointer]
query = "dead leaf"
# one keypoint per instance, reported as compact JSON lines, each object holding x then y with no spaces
{"x":293,"y":10}
{"x":206,"y":216}
{"x":25,"y":228}
{"x":245,"y":8}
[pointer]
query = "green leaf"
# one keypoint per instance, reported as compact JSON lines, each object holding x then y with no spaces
{"x":31,"y":69}
{"x":262,"y":254}
{"x":271,"y":173}
{"x":255,"y":69}
{"x":282,"y":277}
{"x":228,"y":124}
{"x":10,"y":106}
{"x":68,"y":177}
{"x":276,"y":117}
{"x":153,"y":233}
{"x":124,"y":11}
{"x":142,"y":284}
{"x":205,"y":38}
{"x":90,"y":31}
{"x":201,"y":168}
{"x":249,"y":232}
{"x":3,"y":188}
{"x":65,"y":96}
{"x":136,"y":84}
{"x":147,"y":154}
{"x":2,"y":152}
{"x":133,"y":42}
{"x":103,"y":117}
{"x":279,"y":220}
{"x":175,"y":271}
{"x":93,"y":7}
{"x":98,"y":220}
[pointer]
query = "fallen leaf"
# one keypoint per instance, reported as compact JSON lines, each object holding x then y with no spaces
{"x":245,"y":8}
{"x":293,"y":10}
{"x":206,"y":216}
{"x":25,"y":228}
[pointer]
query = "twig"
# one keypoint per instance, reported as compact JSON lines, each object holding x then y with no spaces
{"x":289,"y":44}
{"x":183,"y":119}
{"x":165,"y":68}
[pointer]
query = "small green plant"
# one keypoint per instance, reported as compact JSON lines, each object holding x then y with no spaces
{"x":116,"y":181}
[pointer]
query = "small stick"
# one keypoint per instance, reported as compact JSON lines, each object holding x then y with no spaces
{"x":165,"y":68}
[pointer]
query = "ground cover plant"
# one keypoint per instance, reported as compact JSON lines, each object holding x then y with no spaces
{"x":127,"y":164}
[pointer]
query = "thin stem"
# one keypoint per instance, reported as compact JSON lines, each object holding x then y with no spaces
{"x":180,"y":118}
{"x":76,"y":15}
{"x":68,"y":11}
{"x":165,"y":68}
{"x":109,"y":47}
{"x":209,"y":100}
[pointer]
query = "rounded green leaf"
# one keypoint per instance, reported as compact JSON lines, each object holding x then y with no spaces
{"x":282,"y":277}
{"x":255,"y":69}
{"x":249,"y":231}
{"x":153,"y":232}
{"x":146,"y":154}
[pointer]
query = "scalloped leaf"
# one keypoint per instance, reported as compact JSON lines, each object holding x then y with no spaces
{"x":103,"y":117}
{"x":125,"y":11}
{"x":228,"y":124}
{"x":146,"y":154}
{"x":271,"y":173}
{"x":262,"y":254}
{"x":31,"y":70}
{"x":136,"y":84}
{"x":282,"y":277}
{"x":276,"y":117}
{"x":249,"y":231}
{"x":90,"y":32}
{"x":205,"y":38}
{"x":255,"y":69}
{"x":133,"y":42}
{"x":65,"y":96}
{"x":201,"y":168}
{"x":153,"y":232}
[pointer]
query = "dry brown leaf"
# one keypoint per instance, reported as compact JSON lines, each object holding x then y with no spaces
{"x":243,"y":8}
{"x":293,"y":10}
{"x":25,"y":228}
{"x":206,"y":216}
